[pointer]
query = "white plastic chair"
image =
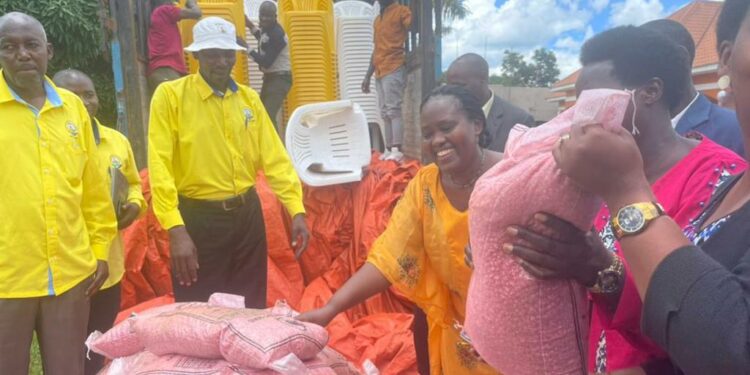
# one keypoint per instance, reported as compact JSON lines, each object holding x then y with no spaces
{"x":354,"y":45}
{"x":354,"y":8}
{"x":329,"y":142}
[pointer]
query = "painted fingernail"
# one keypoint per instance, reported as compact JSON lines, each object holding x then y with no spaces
{"x":541,"y":217}
{"x":512,"y":231}
{"x":508,"y":248}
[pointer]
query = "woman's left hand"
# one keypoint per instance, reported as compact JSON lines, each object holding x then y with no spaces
{"x":552,"y":248}
{"x":606,"y":162}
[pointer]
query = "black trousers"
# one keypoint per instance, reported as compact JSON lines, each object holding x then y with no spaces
{"x":275,"y":88}
{"x":104,"y":308}
{"x":231,"y":250}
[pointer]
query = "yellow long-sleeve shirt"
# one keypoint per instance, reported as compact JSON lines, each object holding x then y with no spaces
{"x":114,"y":151}
{"x":57,"y":216}
{"x":210,"y":146}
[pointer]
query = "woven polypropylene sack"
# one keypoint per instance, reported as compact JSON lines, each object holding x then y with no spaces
{"x":190,"y":330}
{"x":122,"y":340}
{"x":331,"y":359}
{"x":518,"y":324}
{"x":258,"y":342}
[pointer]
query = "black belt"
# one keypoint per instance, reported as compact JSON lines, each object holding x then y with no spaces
{"x":229,"y":204}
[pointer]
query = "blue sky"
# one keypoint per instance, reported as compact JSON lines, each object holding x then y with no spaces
{"x":561,"y":25}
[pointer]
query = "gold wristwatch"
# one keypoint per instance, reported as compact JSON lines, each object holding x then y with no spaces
{"x":633,"y":219}
{"x":609,"y":280}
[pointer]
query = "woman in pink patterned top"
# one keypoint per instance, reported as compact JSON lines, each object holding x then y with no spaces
{"x":683,"y":173}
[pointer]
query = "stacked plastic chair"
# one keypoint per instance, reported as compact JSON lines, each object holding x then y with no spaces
{"x":354,"y":44}
{"x":328,"y":143}
{"x":312,"y":49}
{"x":230,"y":10}
{"x":252,"y":8}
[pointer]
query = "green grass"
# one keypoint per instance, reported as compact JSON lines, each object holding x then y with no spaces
{"x":35,"y":368}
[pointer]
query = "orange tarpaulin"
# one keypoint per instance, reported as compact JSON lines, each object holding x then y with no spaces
{"x":344,"y":220}
{"x":146,"y":256}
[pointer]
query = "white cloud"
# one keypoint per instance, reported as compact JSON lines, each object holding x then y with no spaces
{"x":518,"y":25}
{"x":525,"y":25}
{"x":635,"y":12}
{"x":599,"y":5}
{"x":567,"y":62}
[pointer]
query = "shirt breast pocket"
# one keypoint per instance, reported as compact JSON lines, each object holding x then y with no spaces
{"x":70,"y":160}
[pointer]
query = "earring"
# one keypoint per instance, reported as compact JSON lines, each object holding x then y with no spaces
{"x":723,"y":83}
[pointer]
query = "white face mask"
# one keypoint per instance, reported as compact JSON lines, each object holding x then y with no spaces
{"x":635,"y":130}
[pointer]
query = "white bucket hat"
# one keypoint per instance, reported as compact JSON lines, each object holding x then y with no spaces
{"x":214,"y":32}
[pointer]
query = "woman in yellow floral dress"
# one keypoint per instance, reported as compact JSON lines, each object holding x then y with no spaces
{"x":421,"y":252}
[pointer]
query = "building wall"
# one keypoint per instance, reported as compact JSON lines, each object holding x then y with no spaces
{"x":704,"y":82}
{"x":531,"y":99}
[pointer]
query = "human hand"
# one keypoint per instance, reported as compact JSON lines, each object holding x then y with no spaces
{"x":300,"y":235}
{"x":552,"y":248}
{"x":100,"y":276}
{"x":604,"y":162}
{"x":366,"y":85}
{"x":242,"y":43}
{"x":128,"y":213}
{"x":468,"y":258}
{"x":183,"y":256}
{"x":321,"y":316}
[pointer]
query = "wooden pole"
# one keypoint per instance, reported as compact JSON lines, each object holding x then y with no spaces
{"x":427,"y":41}
{"x":439,"y":39}
{"x":133,"y":99}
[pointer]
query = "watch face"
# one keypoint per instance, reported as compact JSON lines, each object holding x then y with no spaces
{"x":630,"y":219}
{"x":609,"y":281}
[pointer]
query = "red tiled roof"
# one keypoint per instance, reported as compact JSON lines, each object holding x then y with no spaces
{"x":699,"y":17}
{"x":569,"y":80}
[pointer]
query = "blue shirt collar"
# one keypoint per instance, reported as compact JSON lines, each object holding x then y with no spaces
{"x":232,"y":86}
{"x":52,"y":95}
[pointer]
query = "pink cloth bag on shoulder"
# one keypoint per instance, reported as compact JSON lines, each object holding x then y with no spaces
{"x":518,"y":324}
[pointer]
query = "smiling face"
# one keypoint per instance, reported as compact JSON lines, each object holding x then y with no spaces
{"x":24,"y":52}
{"x":448,"y":136}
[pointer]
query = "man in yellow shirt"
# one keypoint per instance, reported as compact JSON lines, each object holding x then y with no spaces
{"x":208,"y":139}
{"x":58,"y":220}
{"x":114,"y":153}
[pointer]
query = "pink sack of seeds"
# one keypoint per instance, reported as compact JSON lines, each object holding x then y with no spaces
{"x":189,"y":330}
{"x":227,"y":300}
{"x":146,"y":363}
{"x":518,"y":324}
{"x":258,"y":342}
{"x":121,"y":340}
{"x":333,"y":360}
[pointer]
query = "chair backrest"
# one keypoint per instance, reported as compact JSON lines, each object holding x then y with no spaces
{"x":329,"y":143}
{"x":354,"y":43}
{"x":354,"y":8}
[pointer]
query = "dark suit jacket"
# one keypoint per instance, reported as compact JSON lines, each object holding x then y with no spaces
{"x":718,"y":124}
{"x":503,"y":116}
